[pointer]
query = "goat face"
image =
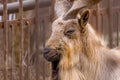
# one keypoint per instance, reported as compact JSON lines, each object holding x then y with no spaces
{"x":65,"y":40}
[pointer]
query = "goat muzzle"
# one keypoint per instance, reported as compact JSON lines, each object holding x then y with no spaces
{"x":51,"y":54}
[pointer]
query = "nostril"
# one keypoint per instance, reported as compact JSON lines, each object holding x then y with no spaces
{"x":46,"y":51}
{"x":59,"y":48}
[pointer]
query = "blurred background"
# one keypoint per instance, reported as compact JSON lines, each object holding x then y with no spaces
{"x":25,"y":25}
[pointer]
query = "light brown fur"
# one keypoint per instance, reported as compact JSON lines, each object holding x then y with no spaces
{"x":85,"y":56}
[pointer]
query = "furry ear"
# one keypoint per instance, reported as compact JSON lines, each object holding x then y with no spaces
{"x":84,"y":18}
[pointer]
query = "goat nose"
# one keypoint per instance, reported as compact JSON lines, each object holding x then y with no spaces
{"x":46,"y":50}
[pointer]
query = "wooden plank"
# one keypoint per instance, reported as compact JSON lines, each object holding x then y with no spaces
{"x":5,"y":37}
{"x":21,"y":33}
{"x":37,"y":39}
{"x":110,"y":23}
{"x":118,"y":28}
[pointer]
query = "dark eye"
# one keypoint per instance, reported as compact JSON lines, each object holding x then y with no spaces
{"x":69,"y":32}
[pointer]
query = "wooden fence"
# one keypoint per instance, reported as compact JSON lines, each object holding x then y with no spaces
{"x":23,"y":38}
{"x":106,"y":19}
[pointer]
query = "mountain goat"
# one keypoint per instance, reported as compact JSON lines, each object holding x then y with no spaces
{"x":75,"y":49}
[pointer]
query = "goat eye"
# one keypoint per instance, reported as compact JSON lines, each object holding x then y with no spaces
{"x":69,"y":32}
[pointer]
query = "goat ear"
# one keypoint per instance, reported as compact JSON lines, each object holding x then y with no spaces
{"x":84,"y":18}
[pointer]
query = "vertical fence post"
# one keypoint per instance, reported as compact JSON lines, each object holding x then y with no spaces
{"x":118,"y":28}
{"x":52,"y":7}
{"x":110,"y":23}
{"x":43,"y":40}
{"x":5,"y":38}
{"x":21,"y":36}
{"x":36,"y":37}
{"x":28,"y":52}
{"x":13,"y":38}
{"x":98,"y":17}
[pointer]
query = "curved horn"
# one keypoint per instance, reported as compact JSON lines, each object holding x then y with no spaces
{"x":62,"y":6}
{"x":77,"y":5}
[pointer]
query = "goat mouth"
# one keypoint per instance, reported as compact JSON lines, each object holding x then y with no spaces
{"x":55,"y":70}
{"x":52,"y":57}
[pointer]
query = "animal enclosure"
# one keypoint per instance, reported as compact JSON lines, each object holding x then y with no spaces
{"x":25,"y":27}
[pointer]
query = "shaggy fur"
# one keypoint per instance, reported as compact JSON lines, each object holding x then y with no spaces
{"x":84,"y":56}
